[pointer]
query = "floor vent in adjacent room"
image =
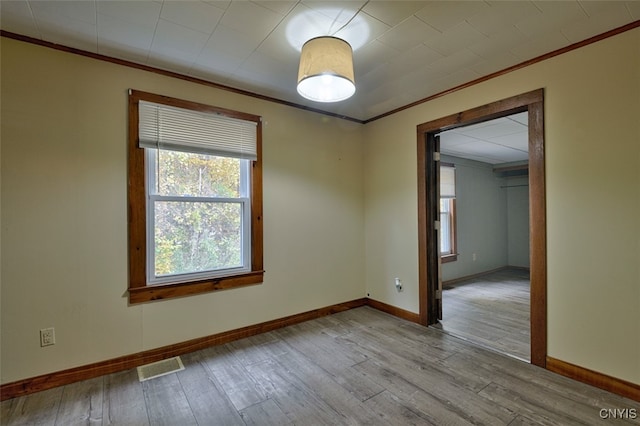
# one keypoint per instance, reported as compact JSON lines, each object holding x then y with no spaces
{"x":160,"y":368}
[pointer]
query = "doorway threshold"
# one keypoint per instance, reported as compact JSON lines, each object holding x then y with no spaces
{"x":438,"y":326}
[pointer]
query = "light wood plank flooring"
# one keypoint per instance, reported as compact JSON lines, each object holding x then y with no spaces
{"x":353,"y":368}
{"x":492,"y":310}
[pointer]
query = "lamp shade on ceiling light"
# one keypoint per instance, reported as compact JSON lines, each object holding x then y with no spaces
{"x":326,"y":70}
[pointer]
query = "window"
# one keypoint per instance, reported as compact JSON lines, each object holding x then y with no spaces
{"x":195,"y":198}
{"x":198,"y":216}
{"x":448,"y":213}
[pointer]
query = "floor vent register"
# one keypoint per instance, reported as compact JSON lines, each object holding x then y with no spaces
{"x":160,"y":368}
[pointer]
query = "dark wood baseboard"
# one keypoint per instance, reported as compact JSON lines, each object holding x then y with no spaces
{"x":60,"y":378}
{"x":395,"y":311}
{"x":593,"y":378}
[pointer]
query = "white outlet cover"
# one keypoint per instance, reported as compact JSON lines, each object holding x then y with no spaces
{"x":47,"y":337}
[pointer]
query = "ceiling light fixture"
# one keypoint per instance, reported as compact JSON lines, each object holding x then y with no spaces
{"x":326,"y":70}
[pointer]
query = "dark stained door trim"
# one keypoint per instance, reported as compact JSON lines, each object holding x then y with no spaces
{"x":533,"y":102}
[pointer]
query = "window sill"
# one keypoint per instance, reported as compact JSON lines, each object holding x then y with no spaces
{"x":448,"y":258}
{"x":170,"y":291}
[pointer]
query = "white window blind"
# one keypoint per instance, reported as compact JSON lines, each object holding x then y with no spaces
{"x":447,"y":182}
{"x":166,"y":127}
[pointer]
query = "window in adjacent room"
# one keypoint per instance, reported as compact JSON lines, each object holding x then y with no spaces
{"x":195,"y":198}
{"x":448,"y":251}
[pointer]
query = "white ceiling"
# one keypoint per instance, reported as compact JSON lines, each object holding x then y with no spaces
{"x":503,"y":140}
{"x":404,"y":51}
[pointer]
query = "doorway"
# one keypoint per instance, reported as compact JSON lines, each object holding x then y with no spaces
{"x":430,"y":275}
{"x":484,"y":234}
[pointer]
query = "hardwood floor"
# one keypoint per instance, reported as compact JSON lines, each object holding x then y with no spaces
{"x":356,"y":367}
{"x":492,"y":310}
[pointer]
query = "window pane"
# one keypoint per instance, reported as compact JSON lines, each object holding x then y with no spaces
{"x":197,"y":175}
{"x":445,"y":226}
{"x":195,"y":237}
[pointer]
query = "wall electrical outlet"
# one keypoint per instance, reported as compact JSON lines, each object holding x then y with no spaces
{"x":398,"y":284}
{"x":47,"y":337}
{"x":474,"y":257}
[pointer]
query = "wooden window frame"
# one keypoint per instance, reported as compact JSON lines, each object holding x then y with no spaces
{"x":139,"y":290}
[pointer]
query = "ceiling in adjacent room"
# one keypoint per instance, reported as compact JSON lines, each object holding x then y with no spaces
{"x":499,"y":141}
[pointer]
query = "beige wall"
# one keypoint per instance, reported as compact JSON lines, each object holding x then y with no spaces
{"x":592,"y":131}
{"x":64,"y":209}
{"x":64,"y":215}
